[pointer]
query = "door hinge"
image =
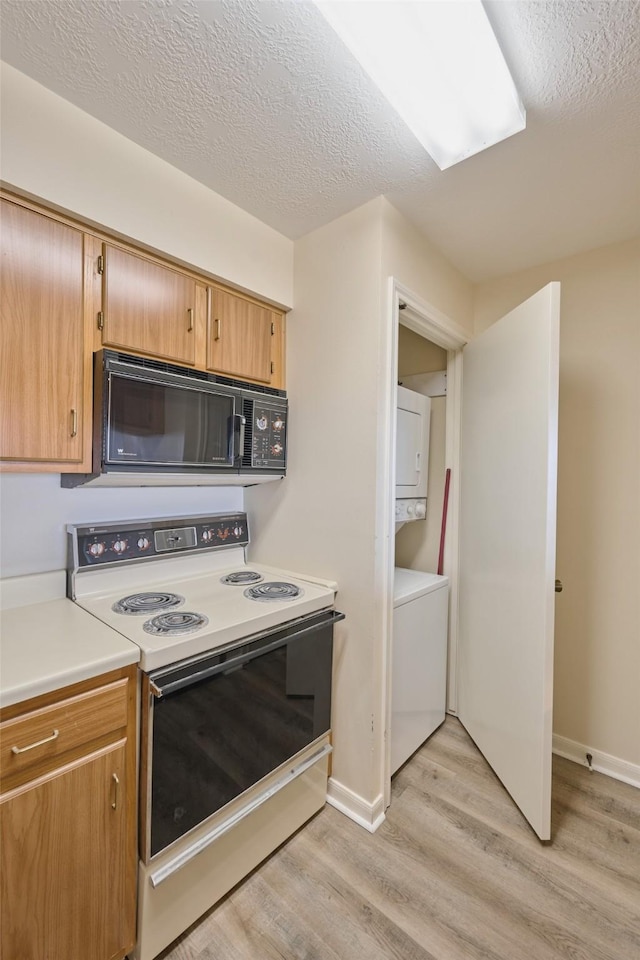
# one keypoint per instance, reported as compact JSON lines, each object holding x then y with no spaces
{"x":100,"y":264}
{"x":100,"y":320}
{"x":273,"y":329}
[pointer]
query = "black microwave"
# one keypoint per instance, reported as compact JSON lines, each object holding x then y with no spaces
{"x":156,"y":423}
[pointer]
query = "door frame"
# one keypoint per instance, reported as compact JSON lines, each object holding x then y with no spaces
{"x":427,"y":321}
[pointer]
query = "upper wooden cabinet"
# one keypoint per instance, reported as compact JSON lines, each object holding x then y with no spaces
{"x":147,"y":307}
{"x":240,"y":338}
{"x":43,"y":373}
{"x":67,"y":293}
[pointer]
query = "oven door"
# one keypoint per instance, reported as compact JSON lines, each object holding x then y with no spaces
{"x":219,"y":724}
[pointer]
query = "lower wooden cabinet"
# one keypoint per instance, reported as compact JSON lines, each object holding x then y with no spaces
{"x":68,"y":825}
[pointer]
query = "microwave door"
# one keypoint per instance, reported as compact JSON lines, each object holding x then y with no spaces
{"x":159,"y":424}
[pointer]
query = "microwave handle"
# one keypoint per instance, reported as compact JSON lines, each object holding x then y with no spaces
{"x":239,"y":423}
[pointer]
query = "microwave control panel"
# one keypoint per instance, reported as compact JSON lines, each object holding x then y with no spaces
{"x":269,"y":435}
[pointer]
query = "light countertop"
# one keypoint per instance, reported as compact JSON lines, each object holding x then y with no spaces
{"x":48,"y":645}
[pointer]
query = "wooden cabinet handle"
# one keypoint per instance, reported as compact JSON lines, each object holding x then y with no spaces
{"x":40,"y":743}
{"x":116,"y":791}
{"x":218,"y":325}
{"x":190,"y":324}
{"x":74,"y":422}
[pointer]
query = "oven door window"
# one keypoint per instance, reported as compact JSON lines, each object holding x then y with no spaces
{"x":214,"y":739}
{"x":161,"y":424}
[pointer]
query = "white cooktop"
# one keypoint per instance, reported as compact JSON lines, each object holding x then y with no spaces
{"x":231,"y":615}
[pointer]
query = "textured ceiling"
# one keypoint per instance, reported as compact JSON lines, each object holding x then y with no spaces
{"x":260,"y":101}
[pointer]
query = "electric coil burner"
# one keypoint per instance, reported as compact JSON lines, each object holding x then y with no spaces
{"x":242,"y":577}
{"x":271,"y":592}
{"x":235,"y":701}
{"x":139,"y":604}
{"x":175,"y":624}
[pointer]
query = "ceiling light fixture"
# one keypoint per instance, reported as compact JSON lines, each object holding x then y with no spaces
{"x":439,"y":65}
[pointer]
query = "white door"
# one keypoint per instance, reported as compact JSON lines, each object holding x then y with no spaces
{"x":507,"y":548}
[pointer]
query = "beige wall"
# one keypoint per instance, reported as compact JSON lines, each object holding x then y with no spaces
{"x":408,"y":256}
{"x":597,"y":662}
{"x":325,"y":518}
{"x":417,"y":355}
{"x":321,"y":518}
{"x":57,"y":152}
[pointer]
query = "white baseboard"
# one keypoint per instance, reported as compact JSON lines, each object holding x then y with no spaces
{"x":602,"y":762}
{"x":367,"y":815}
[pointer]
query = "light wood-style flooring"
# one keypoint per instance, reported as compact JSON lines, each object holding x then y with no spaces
{"x":454,"y":873}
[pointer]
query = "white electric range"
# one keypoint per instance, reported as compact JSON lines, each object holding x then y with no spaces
{"x":179,"y":587}
{"x":236,"y":673}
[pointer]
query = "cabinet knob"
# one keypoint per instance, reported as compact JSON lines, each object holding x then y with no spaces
{"x":559,"y":586}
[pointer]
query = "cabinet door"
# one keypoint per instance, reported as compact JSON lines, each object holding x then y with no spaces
{"x":148,"y":308}
{"x":41,"y":324}
{"x":64,"y":870}
{"x":239,"y":337}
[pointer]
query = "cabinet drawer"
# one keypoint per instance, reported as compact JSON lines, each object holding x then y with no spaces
{"x":50,"y":732}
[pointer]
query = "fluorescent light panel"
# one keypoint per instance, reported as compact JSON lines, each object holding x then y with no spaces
{"x":439,"y":65}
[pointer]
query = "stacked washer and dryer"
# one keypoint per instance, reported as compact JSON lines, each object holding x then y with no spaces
{"x":420,"y":599}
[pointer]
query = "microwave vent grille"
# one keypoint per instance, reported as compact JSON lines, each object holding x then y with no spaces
{"x":247,"y":412}
{"x":160,"y":365}
{"x":165,"y":367}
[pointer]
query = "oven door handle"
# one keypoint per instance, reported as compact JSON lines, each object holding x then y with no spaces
{"x":160,"y":689}
{"x":182,"y":859}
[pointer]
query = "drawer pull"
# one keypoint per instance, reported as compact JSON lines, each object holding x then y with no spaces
{"x":116,"y":786}
{"x":32,"y":746}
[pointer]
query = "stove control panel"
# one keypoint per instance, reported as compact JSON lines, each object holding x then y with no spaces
{"x":110,"y":543}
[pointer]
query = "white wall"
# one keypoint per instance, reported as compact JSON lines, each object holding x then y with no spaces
{"x":34,"y":510}
{"x":325,"y":518}
{"x":408,"y":256}
{"x":597,"y":661}
{"x":55,"y":151}
{"x":321,"y":518}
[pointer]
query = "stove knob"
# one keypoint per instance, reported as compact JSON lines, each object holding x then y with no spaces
{"x":120,"y":546}
{"x":97,"y":549}
{"x":421,"y":510}
{"x":238,"y":531}
{"x":410,"y":509}
{"x":398,"y":510}
{"x":207,"y":535}
{"x":143,"y":543}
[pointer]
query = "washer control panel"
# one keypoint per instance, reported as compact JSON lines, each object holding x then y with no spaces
{"x":411,"y":508}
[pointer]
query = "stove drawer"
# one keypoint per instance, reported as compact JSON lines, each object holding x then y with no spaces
{"x":32,"y":741}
